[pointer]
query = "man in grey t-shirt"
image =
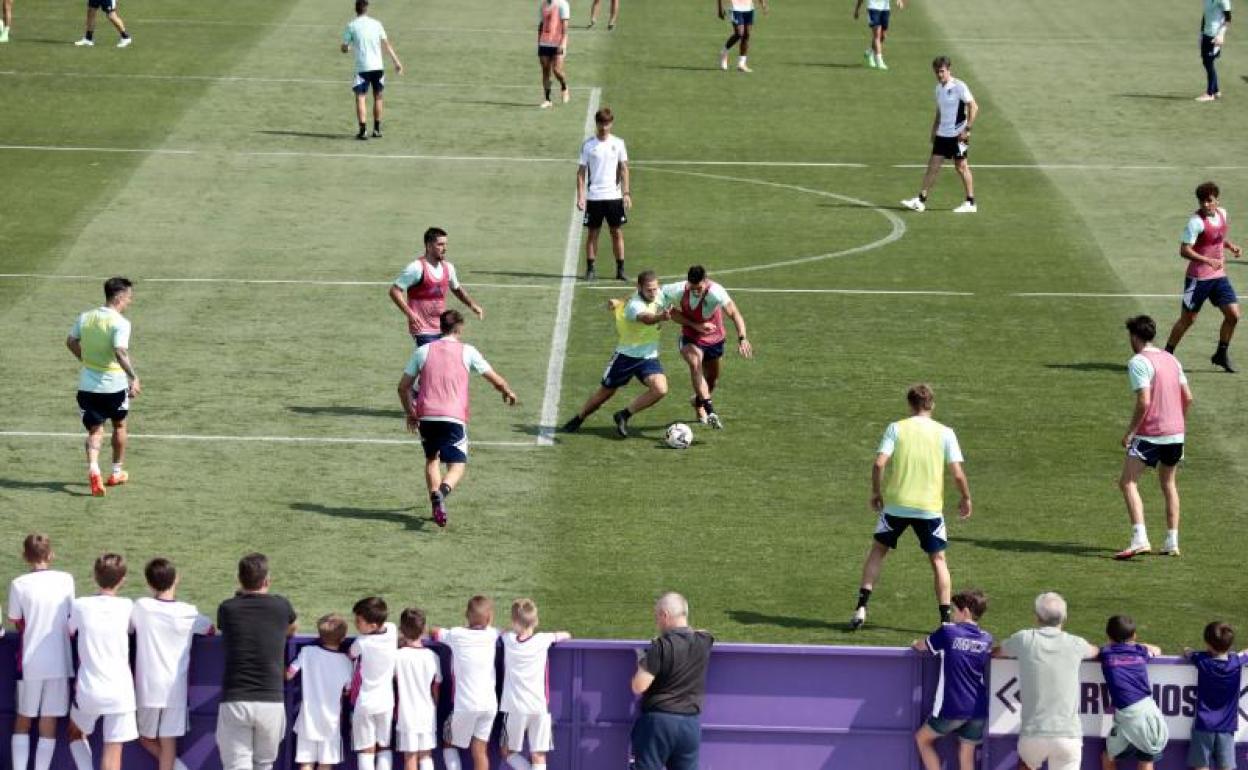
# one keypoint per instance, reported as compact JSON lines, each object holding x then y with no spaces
{"x":1048,"y":666}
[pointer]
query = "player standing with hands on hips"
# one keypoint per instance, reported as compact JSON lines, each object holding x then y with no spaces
{"x":956,"y":112}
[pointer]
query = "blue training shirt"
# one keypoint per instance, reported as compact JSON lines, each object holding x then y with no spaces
{"x":1125,"y":667}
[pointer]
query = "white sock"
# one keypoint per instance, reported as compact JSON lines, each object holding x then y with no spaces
{"x":740,"y":60}
{"x":1139,"y":534}
{"x":540,"y":767}
{"x":450,"y":758}
{"x":365,"y":760}
{"x":93,"y":468}
{"x":81,"y":752}
{"x":116,"y":468}
{"x":43,"y":753}
{"x":20,"y":748}
{"x":178,"y":764}
{"x":519,"y":762}
{"x":426,"y":763}
{"x":383,"y":759}
{"x":1172,"y":537}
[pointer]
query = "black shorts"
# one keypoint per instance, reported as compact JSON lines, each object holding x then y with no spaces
{"x":612,"y":211}
{"x":376,"y":79}
{"x":548,"y":51}
{"x":949,"y":148}
{"x":107,"y":6}
{"x":931,"y":532}
{"x":447,"y":441}
{"x":709,"y":352}
{"x":1150,"y":454}
{"x":98,"y":408}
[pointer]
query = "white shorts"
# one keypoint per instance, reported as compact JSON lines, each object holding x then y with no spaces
{"x":415,"y":741}
{"x":1061,"y":753}
{"x":118,"y":728}
{"x":42,"y":697}
{"x":368,"y":730}
{"x":536,"y":726}
{"x":168,"y":722}
{"x":463,"y":726}
{"x":309,"y":752}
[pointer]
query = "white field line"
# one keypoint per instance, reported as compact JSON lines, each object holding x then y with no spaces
{"x":563,"y":313}
{"x":753,"y":290}
{"x":260,"y":439}
{"x":1091,"y":295}
{"x":395,"y":81}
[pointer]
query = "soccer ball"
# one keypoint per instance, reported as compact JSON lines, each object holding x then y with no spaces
{"x":678,"y":436}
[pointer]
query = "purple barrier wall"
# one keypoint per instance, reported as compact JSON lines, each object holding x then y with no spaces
{"x":768,"y":706}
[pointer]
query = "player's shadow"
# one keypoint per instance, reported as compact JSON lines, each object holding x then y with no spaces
{"x":308,"y":134}
{"x":1064,"y":548}
{"x":348,"y":411}
{"x":752,"y":618}
{"x":495,"y":103}
{"x":1158,"y":97}
{"x":685,"y":68}
{"x":73,"y":490}
{"x":411,"y":521}
{"x":1089,"y":366}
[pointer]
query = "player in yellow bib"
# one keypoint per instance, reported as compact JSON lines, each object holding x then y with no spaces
{"x":100,"y":339}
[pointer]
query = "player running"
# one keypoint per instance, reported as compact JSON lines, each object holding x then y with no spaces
{"x":742,"y":22}
{"x":109,"y":7}
{"x":552,"y":44}
{"x":420,"y":290}
{"x":100,"y":339}
{"x":368,"y":37}
{"x":636,"y":355}
{"x":878,"y":13}
{"x":1202,"y":245}
{"x":698,"y":304}
{"x":6,"y":19}
{"x":613,"y":17}
{"x":956,"y":111}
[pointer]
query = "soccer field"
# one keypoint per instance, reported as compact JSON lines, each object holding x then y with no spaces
{"x":213,"y":162}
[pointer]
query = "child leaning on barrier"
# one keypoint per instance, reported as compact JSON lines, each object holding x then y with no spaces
{"x":327,"y":673}
{"x":525,"y":697}
{"x":1139,"y":730}
{"x":1217,"y":699}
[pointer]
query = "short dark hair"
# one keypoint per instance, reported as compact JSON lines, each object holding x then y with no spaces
{"x":372,"y":609}
{"x":434,"y":233}
{"x":361,"y":6}
{"x":412,"y":623}
{"x":1219,"y":636}
{"x":972,"y":600}
{"x":1120,"y":628}
{"x":646,"y":276}
{"x":253,"y":570}
{"x":449,"y":320}
{"x":109,"y":570}
{"x":1207,"y":190}
{"x":36,"y":548}
{"x":920,"y":396}
{"x":696,"y":274}
{"x":603,"y":116}
{"x":160,"y":574}
{"x":941,"y":61}
{"x":1142,"y":327}
{"x":116,"y":285}
{"x":480,"y":609}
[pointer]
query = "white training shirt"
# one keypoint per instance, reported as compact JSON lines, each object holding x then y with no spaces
{"x":326,"y":676}
{"x":741,"y":6}
{"x":374,"y":655}
{"x":412,"y":274}
{"x":1214,"y":19}
{"x":364,"y":34}
{"x":601,"y":159}
{"x":42,"y":600}
{"x":163,"y":631}
{"x":473,"y":667}
{"x":416,"y":669}
{"x":102,"y":625}
{"x":525,"y":669}
{"x":951,"y":100}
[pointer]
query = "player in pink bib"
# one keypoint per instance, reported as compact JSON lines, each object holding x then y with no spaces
{"x":420,"y":290}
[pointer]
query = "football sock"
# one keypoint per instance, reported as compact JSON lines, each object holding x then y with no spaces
{"x":1172,"y":538}
{"x":435,"y":497}
{"x":365,"y":760}
{"x":43,"y":753}
{"x":89,"y":34}
{"x":445,"y":489}
{"x":363,"y":128}
{"x":518,"y":762}
{"x":93,"y":469}
{"x":626,"y":413}
{"x":116,"y":469}
{"x":426,"y":764}
{"x":547,"y":90}
{"x":970,"y":199}
{"x":376,"y":125}
{"x":450,"y":758}
{"x":923,"y":197}
{"x":573,"y":423}
{"x":946,"y":615}
{"x":864,"y":596}
{"x":19,"y":746}
{"x":81,"y":752}
{"x":384,"y":760}
{"x":1139,"y":534}
{"x":740,"y":60}
{"x":125,"y":35}
{"x":1222,"y":347}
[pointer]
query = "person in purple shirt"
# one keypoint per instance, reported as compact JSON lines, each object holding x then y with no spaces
{"x":961,"y":704}
{"x":1217,"y":699}
{"x":1139,"y":730}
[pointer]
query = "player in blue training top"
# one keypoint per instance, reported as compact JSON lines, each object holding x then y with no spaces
{"x":1139,"y":730}
{"x":1218,"y":673}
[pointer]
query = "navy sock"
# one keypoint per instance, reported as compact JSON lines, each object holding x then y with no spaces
{"x":864,"y":596}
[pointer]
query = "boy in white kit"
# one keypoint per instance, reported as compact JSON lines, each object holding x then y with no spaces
{"x":39,"y":605}
{"x":327,"y":674}
{"x":163,"y":630}
{"x":104,"y":688}
{"x":476,"y":701}
{"x":524,"y":703}
{"x":419,"y":672}
{"x":374,"y":652}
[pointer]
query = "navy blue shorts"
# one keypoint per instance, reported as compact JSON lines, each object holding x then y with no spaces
{"x":878,"y":18}
{"x":548,"y":51}
{"x":445,"y":440}
{"x":1218,"y":291}
{"x":1150,"y":454}
{"x":743,"y":18}
{"x":709,"y":352}
{"x":931,"y":532}
{"x":623,"y":368}
{"x":98,"y":408}
{"x":424,"y":339}
{"x":376,"y":79}
{"x":660,"y":740}
{"x":107,"y":6}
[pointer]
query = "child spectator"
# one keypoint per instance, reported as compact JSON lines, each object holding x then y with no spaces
{"x":1217,"y":699}
{"x":104,"y":687}
{"x":1139,"y":730}
{"x":163,"y":630}
{"x":524,"y":688}
{"x":327,"y":673}
{"x":39,"y":606}
{"x":961,"y":705}
{"x":374,"y":652}
{"x":418,"y":672}
{"x":476,"y":701}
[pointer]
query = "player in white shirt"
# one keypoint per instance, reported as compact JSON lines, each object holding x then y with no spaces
{"x":742,"y":22}
{"x":524,"y":704}
{"x":39,"y":606}
{"x":163,"y":631}
{"x":374,"y":652}
{"x":878,"y":15}
{"x":473,"y":650}
{"x":327,"y":673}
{"x":602,"y":191}
{"x":419,"y":672}
{"x":104,"y":687}
{"x":368,"y":38}
{"x":956,"y":112}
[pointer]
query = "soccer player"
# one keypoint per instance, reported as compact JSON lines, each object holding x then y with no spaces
{"x":373,"y":652}
{"x":524,"y":703}
{"x":163,"y":631}
{"x":612,"y":20}
{"x":698,"y":304}
{"x":956,"y":111}
{"x":1203,"y":245}
{"x":742,"y":22}
{"x":636,"y":355}
{"x":6,"y":19}
{"x":327,"y":674}
{"x":418,"y":672}
{"x":100,"y":339}
{"x":439,"y":411}
{"x":420,"y":290}
{"x":39,"y":607}
{"x":1139,"y":730}
{"x":1214,"y":23}
{"x":369,"y":38}
{"x":472,"y":671}
{"x":104,"y":687}
{"x":602,"y":185}
{"x":878,"y":14}
{"x":109,"y":7}
{"x":1154,"y":438}
{"x":918,"y":448}
{"x":552,"y":44}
